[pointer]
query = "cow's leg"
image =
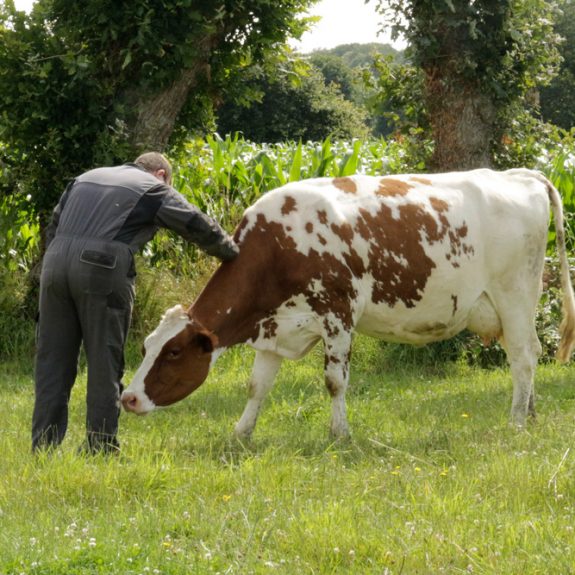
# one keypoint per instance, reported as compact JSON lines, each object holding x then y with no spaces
{"x":337,"y":356}
{"x":523,"y":350}
{"x":264,"y":371}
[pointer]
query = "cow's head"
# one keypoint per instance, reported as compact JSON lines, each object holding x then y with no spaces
{"x":177,"y":358}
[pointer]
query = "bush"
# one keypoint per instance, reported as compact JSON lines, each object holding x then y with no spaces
{"x":17,"y":322}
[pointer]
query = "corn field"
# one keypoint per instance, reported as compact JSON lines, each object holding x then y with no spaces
{"x":223,"y":176}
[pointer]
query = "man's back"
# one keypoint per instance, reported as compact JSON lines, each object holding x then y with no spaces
{"x":106,"y":203}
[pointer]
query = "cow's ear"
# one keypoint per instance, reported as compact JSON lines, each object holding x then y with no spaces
{"x":206,"y":341}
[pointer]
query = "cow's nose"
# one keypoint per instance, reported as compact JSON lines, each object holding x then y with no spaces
{"x":129,"y":401}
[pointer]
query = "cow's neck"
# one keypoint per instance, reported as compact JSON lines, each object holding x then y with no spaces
{"x":227,"y":306}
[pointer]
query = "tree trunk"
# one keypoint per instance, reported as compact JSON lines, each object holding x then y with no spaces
{"x":463,"y":124}
{"x":157,"y":114}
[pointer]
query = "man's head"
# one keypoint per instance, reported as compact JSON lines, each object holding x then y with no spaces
{"x":157,"y":165}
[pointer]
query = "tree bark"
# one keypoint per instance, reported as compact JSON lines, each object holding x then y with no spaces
{"x":463,"y":124}
{"x":157,"y":114}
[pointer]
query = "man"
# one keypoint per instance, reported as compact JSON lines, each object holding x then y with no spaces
{"x":87,"y":287}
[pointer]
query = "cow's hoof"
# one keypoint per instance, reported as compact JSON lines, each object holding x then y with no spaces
{"x":243,"y":435}
{"x":340,"y":435}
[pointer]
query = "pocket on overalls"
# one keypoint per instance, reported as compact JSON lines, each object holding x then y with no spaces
{"x":100,"y":259}
{"x":97,"y":269}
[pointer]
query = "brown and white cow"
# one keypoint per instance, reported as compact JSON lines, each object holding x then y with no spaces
{"x":407,"y":258}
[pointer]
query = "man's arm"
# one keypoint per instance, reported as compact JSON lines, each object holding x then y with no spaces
{"x":177,"y":214}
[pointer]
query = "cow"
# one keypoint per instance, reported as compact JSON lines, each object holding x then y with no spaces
{"x":406,"y":258}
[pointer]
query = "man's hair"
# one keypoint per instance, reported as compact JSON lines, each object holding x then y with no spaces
{"x":154,"y":161}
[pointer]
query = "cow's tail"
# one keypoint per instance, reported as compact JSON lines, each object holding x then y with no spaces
{"x":567,"y":328}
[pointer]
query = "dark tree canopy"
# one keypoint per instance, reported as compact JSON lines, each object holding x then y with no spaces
{"x":304,"y":110}
{"x":558,"y":99}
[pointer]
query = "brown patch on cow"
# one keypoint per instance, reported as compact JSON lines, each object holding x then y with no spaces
{"x":323,"y":279}
{"x":346,"y":234}
{"x":454,"y":302}
{"x":185,"y":372}
{"x":270,"y":326}
{"x":337,"y":292}
{"x":331,"y":358}
{"x":332,"y":388}
{"x":289,"y":206}
{"x":439,"y":205}
{"x":309,"y":228}
{"x":397,"y":258}
{"x":458,"y":247}
{"x":239,"y":229}
{"x":330,"y":329}
{"x":392,"y":187}
{"x":346,"y":185}
{"x":321,"y":240}
{"x":419,"y":180}
{"x":322,"y":217}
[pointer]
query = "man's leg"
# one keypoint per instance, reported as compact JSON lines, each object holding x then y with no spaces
{"x":58,"y":344}
{"x":106,"y":321}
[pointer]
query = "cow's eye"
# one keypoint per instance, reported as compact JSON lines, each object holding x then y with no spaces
{"x":174,"y":353}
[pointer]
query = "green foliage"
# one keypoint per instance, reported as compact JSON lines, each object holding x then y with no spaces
{"x":397,"y":100}
{"x":529,"y":142}
{"x":54,"y":120}
{"x":558,"y":99}
{"x":19,"y":235}
{"x":223,"y":176}
{"x":479,"y":60}
{"x":360,"y":56}
{"x":306,"y":110}
{"x":500,"y":45}
{"x":81,"y":82}
{"x":16,"y":320}
{"x":335,"y":71}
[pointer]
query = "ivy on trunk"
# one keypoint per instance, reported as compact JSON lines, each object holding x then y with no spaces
{"x":479,"y":58}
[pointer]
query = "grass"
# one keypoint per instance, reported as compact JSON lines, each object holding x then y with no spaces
{"x":433,"y":481}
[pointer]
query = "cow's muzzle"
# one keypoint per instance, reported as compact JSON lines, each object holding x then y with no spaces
{"x":132,"y":403}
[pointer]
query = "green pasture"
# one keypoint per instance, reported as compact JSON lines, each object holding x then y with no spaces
{"x":434,"y":479}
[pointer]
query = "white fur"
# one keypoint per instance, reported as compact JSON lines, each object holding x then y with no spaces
{"x":175,"y":320}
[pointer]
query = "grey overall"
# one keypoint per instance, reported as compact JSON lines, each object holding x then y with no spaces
{"x":87,"y":290}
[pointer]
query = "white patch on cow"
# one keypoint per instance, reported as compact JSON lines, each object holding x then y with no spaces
{"x":173,"y":322}
{"x":297,"y":330}
{"x":316,"y":287}
{"x":215,"y":355}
